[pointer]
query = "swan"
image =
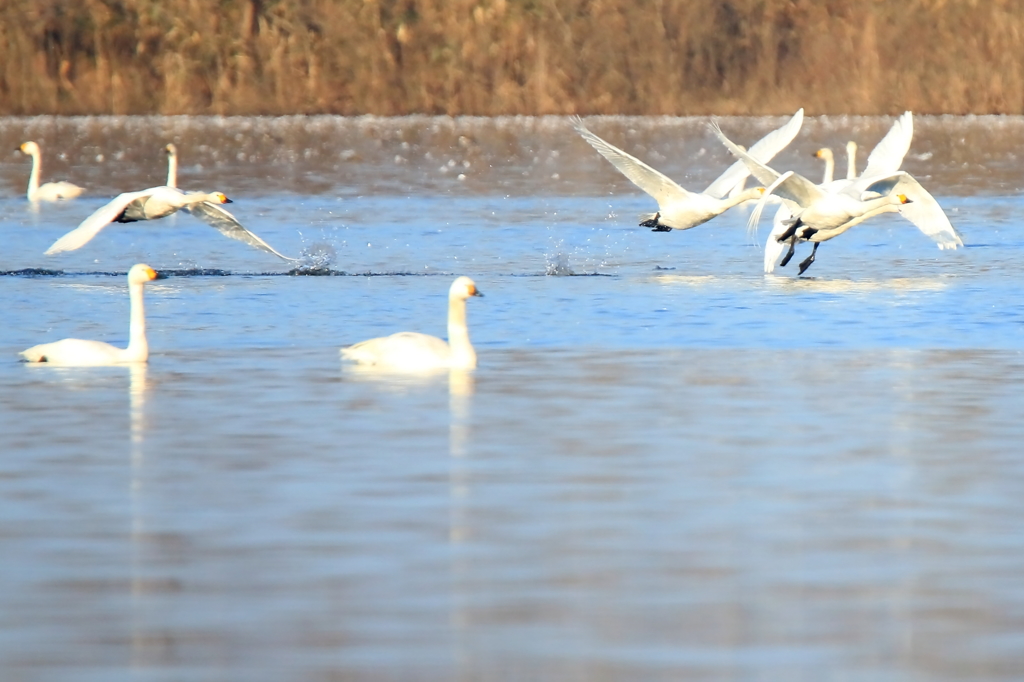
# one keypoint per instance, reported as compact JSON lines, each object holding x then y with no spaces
{"x":412,"y":351}
{"x":159,"y":202}
{"x":79,"y":353}
{"x":822,"y":213}
{"x":172,"y":165}
{"x":50,"y":191}
{"x":679,"y":209}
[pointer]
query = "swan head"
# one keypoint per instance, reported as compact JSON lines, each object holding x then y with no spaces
{"x":823,"y":153}
{"x":760,"y":190}
{"x":851,"y":147}
{"x":220,"y":198}
{"x":904,"y":199}
{"x":141,"y":273}
{"x":29,"y":148}
{"x":171,"y":150}
{"x":463,"y":288}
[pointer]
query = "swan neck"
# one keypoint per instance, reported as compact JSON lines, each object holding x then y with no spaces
{"x":851,"y":162}
{"x":33,"y":178}
{"x":172,"y":171}
{"x":752,"y":194}
{"x":463,"y":355}
{"x":138,"y":347}
{"x":830,"y":169}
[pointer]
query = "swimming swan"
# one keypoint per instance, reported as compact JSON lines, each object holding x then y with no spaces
{"x":50,"y":191}
{"x":172,"y":165}
{"x":79,"y":353}
{"x":679,"y":209}
{"x":820,"y":214}
{"x":159,"y":202}
{"x":412,"y":352}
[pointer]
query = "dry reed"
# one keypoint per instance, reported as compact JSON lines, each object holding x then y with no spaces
{"x":490,"y":57}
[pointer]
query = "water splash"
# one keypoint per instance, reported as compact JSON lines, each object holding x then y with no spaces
{"x":558,"y":265}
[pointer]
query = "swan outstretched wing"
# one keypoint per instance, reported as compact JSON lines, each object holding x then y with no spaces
{"x":655,"y":183}
{"x":922,"y":210}
{"x":764,"y":150}
{"x":222,"y":220}
{"x":887,"y":156}
{"x":92,"y":225}
{"x":790,"y":185}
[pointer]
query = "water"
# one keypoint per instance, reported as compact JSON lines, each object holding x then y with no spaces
{"x":668,"y":466}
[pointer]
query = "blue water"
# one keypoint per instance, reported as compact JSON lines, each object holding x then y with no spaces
{"x":669,"y":466}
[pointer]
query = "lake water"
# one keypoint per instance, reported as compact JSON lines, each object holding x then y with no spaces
{"x":667,"y":465}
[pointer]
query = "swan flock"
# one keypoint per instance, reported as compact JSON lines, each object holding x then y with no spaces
{"x":808,"y":212}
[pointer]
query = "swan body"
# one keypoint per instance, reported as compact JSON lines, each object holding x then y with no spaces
{"x":679,"y":209}
{"x":158,"y":202}
{"x":820,"y":213}
{"x":172,"y":165}
{"x":82,"y":353}
{"x":415,"y":352}
{"x":50,"y":191}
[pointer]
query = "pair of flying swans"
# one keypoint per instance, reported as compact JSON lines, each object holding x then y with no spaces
{"x":817,"y":213}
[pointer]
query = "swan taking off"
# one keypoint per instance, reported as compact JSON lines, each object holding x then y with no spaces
{"x":50,"y":191}
{"x":415,"y":352}
{"x":160,"y":202}
{"x":679,"y":209}
{"x":820,"y":214}
{"x":79,"y":353}
{"x":172,"y":165}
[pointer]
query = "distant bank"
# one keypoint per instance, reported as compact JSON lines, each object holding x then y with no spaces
{"x":491,"y":57}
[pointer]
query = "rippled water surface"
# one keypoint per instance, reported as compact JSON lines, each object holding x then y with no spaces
{"x":668,"y":466}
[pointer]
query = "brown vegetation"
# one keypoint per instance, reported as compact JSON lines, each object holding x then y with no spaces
{"x":491,"y":57}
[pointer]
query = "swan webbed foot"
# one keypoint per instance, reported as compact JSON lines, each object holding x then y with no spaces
{"x":806,"y":263}
{"x":655,"y":226}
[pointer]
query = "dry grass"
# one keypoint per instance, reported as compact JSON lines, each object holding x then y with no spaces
{"x":493,"y":57}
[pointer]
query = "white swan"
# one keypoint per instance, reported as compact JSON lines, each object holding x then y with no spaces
{"x":172,"y":165}
{"x":159,"y":202}
{"x":50,"y":191}
{"x":79,"y":353}
{"x":679,"y":209}
{"x":820,"y":214}
{"x":415,"y":352}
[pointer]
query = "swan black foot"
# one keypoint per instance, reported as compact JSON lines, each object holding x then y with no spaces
{"x":806,"y":263}
{"x":655,"y":226}
{"x":789,"y":254}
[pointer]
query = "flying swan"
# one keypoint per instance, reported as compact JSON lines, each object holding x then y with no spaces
{"x":50,"y":191}
{"x":679,"y":209}
{"x":79,"y":353}
{"x":822,"y":213}
{"x":415,"y":352}
{"x":160,"y":202}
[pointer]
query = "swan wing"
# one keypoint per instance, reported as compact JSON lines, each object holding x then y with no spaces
{"x":764,"y":150}
{"x":655,"y":183}
{"x":91,"y":226}
{"x":887,"y":156}
{"x":225,"y":223}
{"x":923,"y":210}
